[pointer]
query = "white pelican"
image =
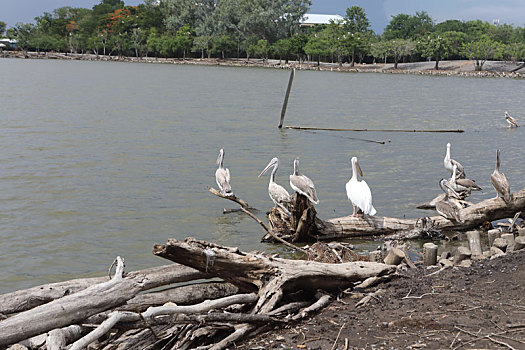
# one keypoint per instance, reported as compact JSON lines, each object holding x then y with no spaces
{"x":460,"y":185}
{"x":500,"y":182}
{"x":512,"y":122}
{"x":445,"y":207}
{"x":302,"y":184}
{"x":449,"y":164}
{"x":277,"y":192}
{"x":222,"y":176}
{"x":358,"y":192}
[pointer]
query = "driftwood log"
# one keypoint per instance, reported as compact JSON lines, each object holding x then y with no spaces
{"x":304,"y":225}
{"x":121,"y":313}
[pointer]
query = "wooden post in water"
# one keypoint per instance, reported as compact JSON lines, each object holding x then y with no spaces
{"x":285,"y":103}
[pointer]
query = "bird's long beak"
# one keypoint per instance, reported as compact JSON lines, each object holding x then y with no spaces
{"x":265,"y":170}
{"x":359,"y":169}
{"x":218,"y":159}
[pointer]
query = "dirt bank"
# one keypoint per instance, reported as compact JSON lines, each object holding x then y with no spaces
{"x":482,"y":307}
{"x":447,"y":68}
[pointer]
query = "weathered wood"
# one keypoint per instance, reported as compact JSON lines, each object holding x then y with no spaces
{"x":285,"y":103}
{"x":149,"y":316}
{"x":26,"y":299}
{"x":72,"y":308}
{"x":233,"y":198}
{"x":474,"y":241}
{"x":430,"y":254}
{"x":251,"y":271}
{"x":184,"y":295}
{"x":57,"y":339}
{"x":473,"y":216}
{"x":385,"y":130}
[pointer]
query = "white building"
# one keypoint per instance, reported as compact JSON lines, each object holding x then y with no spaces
{"x":311,"y":19}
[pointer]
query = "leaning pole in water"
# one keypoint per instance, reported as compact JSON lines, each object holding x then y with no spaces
{"x":285,"y":103}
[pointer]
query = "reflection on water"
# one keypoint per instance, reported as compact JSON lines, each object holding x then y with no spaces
{"x":100,"y":159}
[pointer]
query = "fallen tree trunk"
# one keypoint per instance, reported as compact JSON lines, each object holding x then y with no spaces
{"x":252,"y":271}
{"x":347,"y":227}
{"x":26,"y":299}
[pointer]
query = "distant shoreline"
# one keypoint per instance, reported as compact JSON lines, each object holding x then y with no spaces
{"x":492,"y":69}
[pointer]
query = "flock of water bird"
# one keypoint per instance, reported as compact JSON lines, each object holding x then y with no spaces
{"x":359,"y":193}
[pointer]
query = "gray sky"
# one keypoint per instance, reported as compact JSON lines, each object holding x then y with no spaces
{"x":379,"y":12}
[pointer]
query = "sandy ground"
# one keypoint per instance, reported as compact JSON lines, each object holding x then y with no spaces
{"x":481,"y":307}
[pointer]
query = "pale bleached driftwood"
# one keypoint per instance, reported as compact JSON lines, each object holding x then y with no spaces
{"x":57,"y":339}
{"x":26,"y":299}
{"x":493,"y":234}
{"x":233,"y":198}
{"x":250,"y":271}
{"x":322,"y":301}
{"x":473,"y":216}
{"x":152,"y":312}
{"x":72,"y":308}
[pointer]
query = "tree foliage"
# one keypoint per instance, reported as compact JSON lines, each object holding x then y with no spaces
{"x":260,"y":28}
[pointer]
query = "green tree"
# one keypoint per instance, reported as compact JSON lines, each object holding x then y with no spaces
{"x":3,"y":26}
{"x":434,"y":46}
{"x":283,"y":48}
{"x":202,"y":43}
{"x":22,"y":33}
{"x":405,"y":26}
{"x":317,"y":46}
{"x":224,"y":45}
{"x":481,"y":50}
{"x":399,"y":48}
{"x":355,"y":20}
{"x":153,"y":42}
{"x":139,"y":41}
{"x":185,"y":39}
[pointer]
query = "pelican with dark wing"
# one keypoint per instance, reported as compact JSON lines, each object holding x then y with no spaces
{"x":302,"y":184}
{"x":449,"y":164}
{"x":460,"y":185}
{"x":500,"y":182}
{"x":222,"y":176}
{"x":445,"y":207}
{"x":358,"y":192}
{"x":277,"y":192}
{"x":512,"y":122}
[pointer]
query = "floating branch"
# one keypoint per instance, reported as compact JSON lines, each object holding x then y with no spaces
{"x":381,"y":130}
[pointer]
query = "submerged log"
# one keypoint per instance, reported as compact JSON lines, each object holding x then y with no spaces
{"x":472,"y":216}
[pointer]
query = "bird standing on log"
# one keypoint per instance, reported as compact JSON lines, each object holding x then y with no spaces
{"x":500,"y":182}
{"x":358,"y":192}
{"x":462,"y":185}
{"x":277,"y":193}
{"x":449,"y":164}
{"x":512,"y":122}
{"x":445,"y":207}
{"x":302,"y":184}
{"x":222,"y":176}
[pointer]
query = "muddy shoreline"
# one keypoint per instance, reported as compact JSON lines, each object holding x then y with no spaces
{"x":465,"y":68}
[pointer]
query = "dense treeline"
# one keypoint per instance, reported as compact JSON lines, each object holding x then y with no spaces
{"x":263,"y":29}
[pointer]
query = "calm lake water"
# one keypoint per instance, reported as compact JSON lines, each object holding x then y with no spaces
{"x":99,"y":159}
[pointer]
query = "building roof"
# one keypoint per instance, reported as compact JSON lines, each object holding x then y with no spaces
{"x":311,"y":19}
